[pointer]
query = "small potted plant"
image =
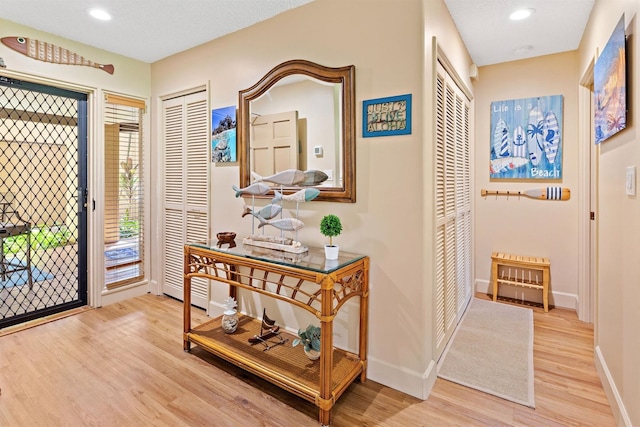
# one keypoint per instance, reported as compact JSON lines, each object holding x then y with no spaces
{"x":331,"y":226}
{"x":310,"y":340}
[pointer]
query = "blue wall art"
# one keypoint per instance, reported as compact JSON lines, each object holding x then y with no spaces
{"x":223,"y":135}
{"x":386,"y":116}
{"x":609,"y":85}
{"x":526,"y":138}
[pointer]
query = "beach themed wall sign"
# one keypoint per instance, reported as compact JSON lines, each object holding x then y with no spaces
{"x":526,"y":138}
{"x":610,"y":88}
{"x":386,"y":116}
{"x":223,"y":135}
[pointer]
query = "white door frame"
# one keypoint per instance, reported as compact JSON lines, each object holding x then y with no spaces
{"x":587,"y":198}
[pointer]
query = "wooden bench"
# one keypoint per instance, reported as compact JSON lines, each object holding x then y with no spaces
{"x":522,"y":266}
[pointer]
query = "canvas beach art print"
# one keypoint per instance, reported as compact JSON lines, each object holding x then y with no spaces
{"x":526,"y":138}
{"x":609,"y":85}
{"x":223,"y":135}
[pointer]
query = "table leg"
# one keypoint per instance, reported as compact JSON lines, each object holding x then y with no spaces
{"x":186,"y":344}
{"x":325,"y":402}
{"x":545,"y":289}
{"x":364,"y":321}
{"x":494,"y":278}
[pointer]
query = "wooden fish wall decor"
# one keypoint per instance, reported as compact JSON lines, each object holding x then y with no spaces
{"x":47,"y":52}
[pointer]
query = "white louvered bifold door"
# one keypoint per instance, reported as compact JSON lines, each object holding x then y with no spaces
{"x":453,"y":208}
{"x":186,"y":219}
{"x":463,"y":204}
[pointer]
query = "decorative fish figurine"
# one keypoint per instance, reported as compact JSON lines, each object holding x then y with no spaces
{"x":519,"y":142}
{"x":313,"y":177}
{"x":304,"y":195}
{"x":534,"y":135}
{"x":268,"y":212}
{"x":550,"y":131}
{"x":285,"y":224}
{"x":287,"y":177}
{"x":503,"y":164}
{"x":255,"y":188}
{"x":501,"y":139}
{"x":47,"y":52}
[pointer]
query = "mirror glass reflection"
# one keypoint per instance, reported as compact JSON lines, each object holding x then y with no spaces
{"x":297,"y":124}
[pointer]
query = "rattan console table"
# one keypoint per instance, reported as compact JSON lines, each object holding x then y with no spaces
{"x":305,"y":280}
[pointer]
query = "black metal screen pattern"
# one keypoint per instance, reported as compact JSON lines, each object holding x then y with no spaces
{"x":43,"y":182}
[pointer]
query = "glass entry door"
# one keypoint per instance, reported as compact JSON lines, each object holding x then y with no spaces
{"x":43,"y":200}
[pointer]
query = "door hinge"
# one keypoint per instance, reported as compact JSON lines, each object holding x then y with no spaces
{"x":592,"y":216}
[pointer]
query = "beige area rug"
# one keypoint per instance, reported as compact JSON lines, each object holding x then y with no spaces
{"x":492,"y":351}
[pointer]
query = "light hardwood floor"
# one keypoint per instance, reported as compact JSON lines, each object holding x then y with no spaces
{"x":123,"y":365}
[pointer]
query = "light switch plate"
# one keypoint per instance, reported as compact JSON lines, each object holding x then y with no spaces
{"x":630,"y":181}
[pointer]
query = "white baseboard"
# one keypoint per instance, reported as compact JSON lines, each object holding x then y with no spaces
{"x":154,"y":287}
{"x":556,"y":299}
{"x":396,"y":377}
{"x":608,"y":384}
{"x":126,"y":292}
{"x":215,"y":309}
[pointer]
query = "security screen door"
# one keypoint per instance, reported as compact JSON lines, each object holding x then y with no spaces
{"x":43,"y":200}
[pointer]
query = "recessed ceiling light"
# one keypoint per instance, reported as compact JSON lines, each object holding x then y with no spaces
{"x":521,"y":14}
{"x":100,"y":14}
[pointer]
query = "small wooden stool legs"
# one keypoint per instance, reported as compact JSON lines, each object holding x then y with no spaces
{"x":521,"y":265}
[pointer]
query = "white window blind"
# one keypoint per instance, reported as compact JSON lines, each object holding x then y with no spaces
{"x":123,"y":191}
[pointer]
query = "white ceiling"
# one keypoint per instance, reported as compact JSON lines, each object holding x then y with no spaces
{"x":149,"y":30}
{"x":492,"y":38}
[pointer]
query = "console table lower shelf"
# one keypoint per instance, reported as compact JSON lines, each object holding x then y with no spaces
{"x":283,"y":365}
{"x":308,"y":282}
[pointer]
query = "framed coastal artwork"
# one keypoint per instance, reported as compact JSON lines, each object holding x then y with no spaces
{"x":526,"y":138}
{"x":223,"y":135}
{"x":386,"y":116}
{"x":609,"y":86}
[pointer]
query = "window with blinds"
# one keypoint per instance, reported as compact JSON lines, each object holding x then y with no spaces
{"x":123,"y":191}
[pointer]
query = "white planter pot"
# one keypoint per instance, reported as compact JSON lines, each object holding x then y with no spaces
{"x":331,"y":252}
{"x":312,"y":354}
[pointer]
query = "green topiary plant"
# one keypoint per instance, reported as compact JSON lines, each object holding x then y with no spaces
{"x":330,"y":226}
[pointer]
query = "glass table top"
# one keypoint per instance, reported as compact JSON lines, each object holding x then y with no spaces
{"x":313,"y":259}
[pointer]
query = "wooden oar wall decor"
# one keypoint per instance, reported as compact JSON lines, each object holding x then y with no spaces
{"x":544,"y":193}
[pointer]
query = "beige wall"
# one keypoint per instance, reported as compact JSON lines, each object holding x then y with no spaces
{"x":389,"y":42}
{"x":521,"y":225}
{"x":618,"y":221}
{"x":130,"y":78}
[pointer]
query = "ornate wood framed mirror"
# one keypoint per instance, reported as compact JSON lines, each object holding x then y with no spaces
{"x":300,"y":115}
